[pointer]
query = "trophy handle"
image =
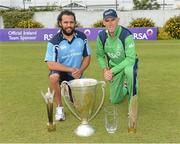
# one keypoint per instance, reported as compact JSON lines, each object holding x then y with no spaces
{"x":65,"y":94}
{"x":102,"y":100}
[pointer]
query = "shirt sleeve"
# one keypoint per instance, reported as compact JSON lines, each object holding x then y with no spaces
{"x":51,"y":53}
{"x":100,"y":54}
{"x":130,"y":55}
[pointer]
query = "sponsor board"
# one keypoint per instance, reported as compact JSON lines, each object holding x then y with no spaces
{"x":45,"y":34}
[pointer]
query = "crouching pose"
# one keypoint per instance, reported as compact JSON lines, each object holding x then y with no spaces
{"x":116,"y":55}
{"x":67,"y":56}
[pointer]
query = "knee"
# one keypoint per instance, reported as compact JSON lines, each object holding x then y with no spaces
{"x":54,"y":78}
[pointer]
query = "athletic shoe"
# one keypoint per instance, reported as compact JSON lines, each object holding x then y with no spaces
{"x":60,"y":116}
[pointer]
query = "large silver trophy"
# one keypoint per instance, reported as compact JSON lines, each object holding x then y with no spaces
{"x":80,"y":97}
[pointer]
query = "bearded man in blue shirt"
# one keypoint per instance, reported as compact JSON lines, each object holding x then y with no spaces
{"x":67,"y":57}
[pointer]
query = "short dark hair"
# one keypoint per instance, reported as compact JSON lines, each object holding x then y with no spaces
{"x":65,"y":12}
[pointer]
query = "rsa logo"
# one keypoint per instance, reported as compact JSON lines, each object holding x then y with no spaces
{"x":144,"y":35}
{"x":47,"y":37}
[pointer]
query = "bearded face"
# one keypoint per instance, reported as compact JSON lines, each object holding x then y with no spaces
{"x":67,"y":24}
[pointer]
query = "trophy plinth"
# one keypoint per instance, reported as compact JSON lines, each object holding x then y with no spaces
{"x":51,"y":126}
{"x":84,"y":129}
{"x":80,"y":97}
{"x":131,"y":130}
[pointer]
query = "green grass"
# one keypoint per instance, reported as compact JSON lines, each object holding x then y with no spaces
{"x":23,"y":117}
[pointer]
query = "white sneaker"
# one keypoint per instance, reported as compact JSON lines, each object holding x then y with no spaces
{"x":60,"y":116}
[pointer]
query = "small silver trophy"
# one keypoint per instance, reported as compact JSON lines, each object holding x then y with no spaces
{"x":80,"y":95}
{"x":48,"y":98}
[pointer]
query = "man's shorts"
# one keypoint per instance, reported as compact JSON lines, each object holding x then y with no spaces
{"x":64,"y":76}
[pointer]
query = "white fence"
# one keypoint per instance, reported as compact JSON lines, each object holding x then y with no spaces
{"x":87,"y":18}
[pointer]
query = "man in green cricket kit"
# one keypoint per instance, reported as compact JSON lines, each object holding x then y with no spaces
{"x":116,"y":55}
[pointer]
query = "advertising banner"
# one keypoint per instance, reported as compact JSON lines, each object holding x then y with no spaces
{"x":7,"y":35}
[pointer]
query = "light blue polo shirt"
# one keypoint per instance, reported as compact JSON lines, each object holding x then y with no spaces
{"x":68,"y":53}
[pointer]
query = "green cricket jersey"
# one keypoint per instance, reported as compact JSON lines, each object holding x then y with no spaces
{"x":113,"y":47}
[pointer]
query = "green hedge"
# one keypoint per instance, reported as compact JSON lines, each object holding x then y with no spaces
{"x":12,"y":18}
{"x":141,"y":22}
{"x":172,"y":27}
{"x":162,"y":35}
{"x":29,"y":24}
{"x":98,"y":24}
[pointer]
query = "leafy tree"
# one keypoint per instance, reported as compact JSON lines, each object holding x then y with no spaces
{"x":145,"y":5}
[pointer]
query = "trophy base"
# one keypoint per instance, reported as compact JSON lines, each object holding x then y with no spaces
{"x":51,"y":127}
{"x":84,"y":130}
{"x":131,"y":130}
